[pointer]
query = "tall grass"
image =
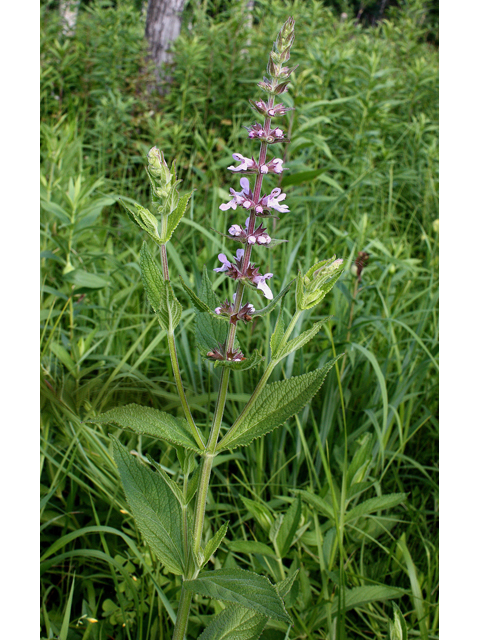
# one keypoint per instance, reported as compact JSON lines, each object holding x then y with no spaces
{"x":363,"y":175}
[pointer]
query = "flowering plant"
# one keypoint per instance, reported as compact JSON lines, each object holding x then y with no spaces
{"x":160,"y":506}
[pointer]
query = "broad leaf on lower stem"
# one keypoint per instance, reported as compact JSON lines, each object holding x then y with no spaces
{"x":277,"y":402}
{"x":241,"y":587}
{"x":154,"y":508}
{"x":239,"y":623}
{"x":150,"y":422}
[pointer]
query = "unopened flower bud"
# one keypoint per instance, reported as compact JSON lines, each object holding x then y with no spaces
{"x":251,"y":239}
{"x":157,"y":166}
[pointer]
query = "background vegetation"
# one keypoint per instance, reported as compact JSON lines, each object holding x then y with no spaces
{"x":363,"y":176}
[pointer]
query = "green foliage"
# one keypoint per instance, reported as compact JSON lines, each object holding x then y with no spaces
{"x":159,"y":292}
{"x":154,"y":507}
{"x":363,"y":175}
{"x":241,"y":587}
{"x":277,"y":402}
{"x":150,"y":422}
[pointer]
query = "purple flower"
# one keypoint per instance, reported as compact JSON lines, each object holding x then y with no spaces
{"x":226,"y":264}
{"x":243,"y":198}
{"x":274,"y":199}
{"x":274,"y":166}
{"x":246,"y":164}
{"x":263,"y":286}
{"x":235,"y":230}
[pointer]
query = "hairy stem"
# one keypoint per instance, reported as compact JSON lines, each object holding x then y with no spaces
{"x":182,"y":614}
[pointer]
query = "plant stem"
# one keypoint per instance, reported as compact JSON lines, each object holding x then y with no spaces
{"x":175,"y":365}
{"x":182,"y":614}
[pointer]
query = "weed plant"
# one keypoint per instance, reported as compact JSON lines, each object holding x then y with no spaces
{"x":364,"y":177}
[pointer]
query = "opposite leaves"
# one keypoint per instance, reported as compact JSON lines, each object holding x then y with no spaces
{"x":154,"y":508}
{"x":276,"y":403}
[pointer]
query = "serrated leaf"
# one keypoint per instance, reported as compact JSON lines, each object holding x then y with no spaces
{"x":199,"y":304}
{"x":375,"y":504}
{"x":150,"y":422}
{"x":285,"y":586}
{"x":251,"y":546}
{"x":170,"y":311}
{"x":174,"y":488}
{"x":159,"y":292}
{"x":154,"y":508}
{"x":277,"y":402}
{"x":288,"y":528}
{"x":152,"y":278}
{"x":241,"y":587}
{"x":242,"y":365}
{"x":274,"y":302}
{"x":143,"y":218}
{"x":299,"y":341}
{"x":176,"y":215}
{"x":213,"y":544}
{"x":235,"y":623}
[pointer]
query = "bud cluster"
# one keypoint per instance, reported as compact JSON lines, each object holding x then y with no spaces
{"x":317,"y":282}
{"x":164,"y":182}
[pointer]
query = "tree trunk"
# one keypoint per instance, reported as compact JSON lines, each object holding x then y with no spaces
{"x":69,"y":13}
{"x":164,"y":19}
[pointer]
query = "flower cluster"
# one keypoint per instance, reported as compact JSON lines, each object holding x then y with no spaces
{"x":241,"y":269}
{"x":259,"y":235}
{"x":245,"y":198}
{"x":248,"y":165}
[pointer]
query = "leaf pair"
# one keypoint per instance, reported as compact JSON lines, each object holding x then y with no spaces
{"x":150,"y":224}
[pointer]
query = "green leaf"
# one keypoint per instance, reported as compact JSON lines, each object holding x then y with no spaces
{"x":235,"y":623}
{"x":199,"y":304}
{"x":274,"y":302}
{"x":277,"y":402}
{"x":176,"y":215}
{"x":285,"y":586}
{"x":397,"y":628}
{"x":173,"y":486}
{"x":359,"y":596}
{"x":251,"y":546}
{"x":154,"y":508}
{"x":260,"y":512}
{"x":83,"y":279}
{"x":288,"y":528}
{"x":299,"y":341}
{"x":144,"y":218}
{"x":64,"y":357}
{"x":150,"y":422}
{"x":318,"y":503}
{"x":302,"y":176}
{"x":66,"y":616}
{"x":213,"y":544}
{"x":375,"y":504}
{"x":159,"y":292}
{"x":252,"y":361}
{"x":359,"y":462}
{"x":278,"y":332}
{"x":241,"y":587}
{"x":209,"y":331}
